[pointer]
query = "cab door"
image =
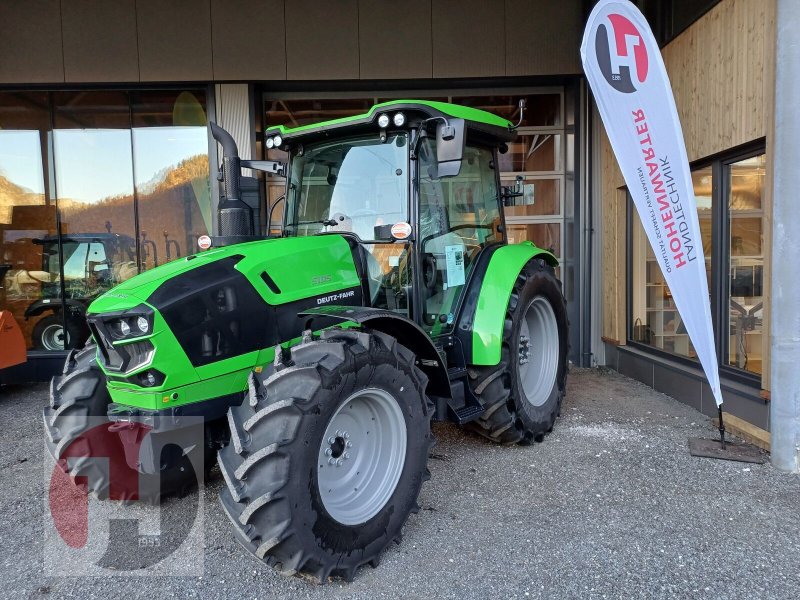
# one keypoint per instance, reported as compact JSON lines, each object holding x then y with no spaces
{"x":459,"y":216}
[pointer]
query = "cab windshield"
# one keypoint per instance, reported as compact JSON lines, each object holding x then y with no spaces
{"x":356,"y":185}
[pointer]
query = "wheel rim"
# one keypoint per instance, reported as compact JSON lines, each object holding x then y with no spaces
{"x":361,"y":456}
{"x":538,"y":351}
{"x":53,"y":337}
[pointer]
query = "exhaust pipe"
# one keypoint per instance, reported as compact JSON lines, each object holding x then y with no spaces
{"x":235,"y":217}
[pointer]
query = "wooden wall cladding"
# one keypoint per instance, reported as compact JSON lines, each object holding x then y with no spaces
{"x":174,"y":40}
{"x":30,"y":42}
{"x":468,"y":38}
{"x":395,"y":39}
{"x":322,"y":39}
{"x":249,"y":39}
{"x":100,"y":41}
{"x":722,"y":73}
{"x":543,"y":37}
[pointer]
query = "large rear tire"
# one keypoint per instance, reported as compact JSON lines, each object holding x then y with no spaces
{"x":77,"y":436}
{"x":328,"y":454}
{"x":523,"y":393}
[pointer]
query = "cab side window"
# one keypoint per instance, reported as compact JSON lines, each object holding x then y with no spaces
{"x":459,"y":216}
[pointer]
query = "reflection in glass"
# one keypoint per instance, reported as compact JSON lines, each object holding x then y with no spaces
{"x":171,"y":176}
{"x":458,"y":217}
{"x":655,"y":320}
{"x":533,"y":152}
{"x":746,"y":230}
{"x":539,"y":197}
{"x":542,"y":110}
{"x":27,"y":216}
{"x":544,"y":235}
{"x":358,"y":186}
{"x":110,"y":149}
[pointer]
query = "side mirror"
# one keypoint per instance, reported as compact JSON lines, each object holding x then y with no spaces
{"x":508,"y":193}
{"x":450,"y":140}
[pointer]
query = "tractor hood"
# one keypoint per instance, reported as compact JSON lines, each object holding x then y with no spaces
{"x":281,"y":270}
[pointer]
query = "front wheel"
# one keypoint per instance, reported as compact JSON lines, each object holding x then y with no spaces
{"x":523,"y":393}
{"x":328,"y":454}
{"x":85,"y":445}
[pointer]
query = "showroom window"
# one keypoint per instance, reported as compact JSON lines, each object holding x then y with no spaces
{"x":95,"y":187}
{"x":535,"y":161}
{"x":730,"y":202}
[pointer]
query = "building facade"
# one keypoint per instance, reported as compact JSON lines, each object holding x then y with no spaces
{"x":107,"y":168}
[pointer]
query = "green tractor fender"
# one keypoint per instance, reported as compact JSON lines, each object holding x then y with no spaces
{"x":480,"y":326}
{"x":404,"y":330}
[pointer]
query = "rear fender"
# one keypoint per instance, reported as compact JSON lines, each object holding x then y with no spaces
{"x":404,"y":330}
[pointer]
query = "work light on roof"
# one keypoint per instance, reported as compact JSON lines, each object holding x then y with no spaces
{"x":270,"y":143}
{"x":383,"y":121}
{"x":399,"y":119}
{"x":278,"y":140}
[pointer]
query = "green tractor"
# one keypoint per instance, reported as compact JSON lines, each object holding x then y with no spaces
{"x":318,"y":358}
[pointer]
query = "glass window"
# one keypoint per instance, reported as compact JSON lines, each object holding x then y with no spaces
{"x":294,"y":113}
{"x":359,"y":186}
{"x":171,"y":173}
{"x":458,"y":216}
{"x":541,"y":196}
{"x":93,"y":165}
{"x":655,"y":320}
{"x":547,"y":235}
{"x":95,"y":157}
{"x":28,"y":275}
{"x":542,"y":110}
{"x":533,"y":152}
{"x":745,"y":186}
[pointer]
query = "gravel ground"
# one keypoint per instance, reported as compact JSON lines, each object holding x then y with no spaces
{"x":611,"y":505}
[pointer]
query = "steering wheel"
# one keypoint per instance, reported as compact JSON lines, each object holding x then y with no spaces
{"x":429,"y":271}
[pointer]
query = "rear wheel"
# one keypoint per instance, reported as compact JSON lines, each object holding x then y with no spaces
{"x":328,"y":454}
{"x":523,"y":393}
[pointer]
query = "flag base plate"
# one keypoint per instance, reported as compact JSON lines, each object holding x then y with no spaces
{"x":733,"y":451}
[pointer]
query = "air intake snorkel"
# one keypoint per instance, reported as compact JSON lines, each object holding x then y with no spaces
{"x":235,"y":217}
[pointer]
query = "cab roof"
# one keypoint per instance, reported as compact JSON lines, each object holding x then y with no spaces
{"x":476,"y":119}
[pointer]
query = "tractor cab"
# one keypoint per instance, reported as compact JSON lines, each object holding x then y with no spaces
{"x":415,"y":185}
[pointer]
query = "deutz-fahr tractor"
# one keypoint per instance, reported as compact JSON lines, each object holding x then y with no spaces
{"x":318,"y":357}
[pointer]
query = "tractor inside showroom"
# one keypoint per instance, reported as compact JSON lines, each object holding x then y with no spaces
{"x":317,"y":358}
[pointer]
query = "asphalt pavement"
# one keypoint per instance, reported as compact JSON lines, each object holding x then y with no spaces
{"x":611,"y":505}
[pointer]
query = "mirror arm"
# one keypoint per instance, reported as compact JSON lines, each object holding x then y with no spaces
{"x":522,"y":104}
{"x":267,"y":166}
{"x":422,"y":132}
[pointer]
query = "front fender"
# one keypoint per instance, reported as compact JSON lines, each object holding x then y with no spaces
{"x":404,"y":330}
{"x":75,"y":308}
{"x":504,"y":267}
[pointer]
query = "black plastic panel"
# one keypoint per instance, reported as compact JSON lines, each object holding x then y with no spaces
{"x":214,"y":312}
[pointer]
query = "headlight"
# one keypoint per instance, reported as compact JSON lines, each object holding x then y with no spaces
{"x":143,"y":324}
{"x":383,"y":121}
{"x":399,"y":119}
{"x":135,"y":323}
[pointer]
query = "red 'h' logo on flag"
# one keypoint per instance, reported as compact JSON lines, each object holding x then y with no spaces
{"x":621,"y":54}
